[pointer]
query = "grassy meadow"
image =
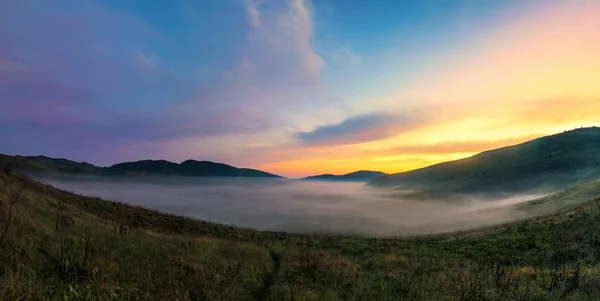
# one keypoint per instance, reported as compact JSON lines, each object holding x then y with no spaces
{"x":56,"y":245}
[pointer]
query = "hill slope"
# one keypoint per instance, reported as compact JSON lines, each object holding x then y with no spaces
{"x":43,"y":164}
{"x":357,"y":176}
{"x":556,"y":161}
{"x":47,"y":164}
{"x":58,"y":244}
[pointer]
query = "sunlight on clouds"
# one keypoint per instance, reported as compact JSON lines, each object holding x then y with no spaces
{"x":269,"y":99}
{"x":536,"y":74}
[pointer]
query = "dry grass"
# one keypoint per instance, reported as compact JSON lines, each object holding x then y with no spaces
{"x":60,"y":244}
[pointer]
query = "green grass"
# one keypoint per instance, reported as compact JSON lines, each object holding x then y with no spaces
{"x":61,"y":246}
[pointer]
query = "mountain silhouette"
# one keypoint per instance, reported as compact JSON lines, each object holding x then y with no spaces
{"x":357,"y":176}
{"x":45,"y":164}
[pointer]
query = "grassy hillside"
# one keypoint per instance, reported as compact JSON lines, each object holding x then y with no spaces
{"x":56,"y":245}
{"x":559,"y":160}
{"x":45,"y":164}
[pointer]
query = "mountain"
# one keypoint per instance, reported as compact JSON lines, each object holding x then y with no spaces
{"x":161,"y":167}
{"x":357,"y":176}
{"x":551,"y":162}
{"x":43,"y":164}
{"x":62,"y":246}
{"x":186,"y":168}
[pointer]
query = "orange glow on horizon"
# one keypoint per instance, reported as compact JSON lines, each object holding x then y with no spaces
{"x":536,"y":74}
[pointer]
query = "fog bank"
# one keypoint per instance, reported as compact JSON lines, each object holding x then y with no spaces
{"x":297,"y":206}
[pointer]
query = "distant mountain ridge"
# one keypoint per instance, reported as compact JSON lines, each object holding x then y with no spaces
{"x":158,"y":167}
{"x":357,"y":176}
{"x":556,"y":161}
{"x":187,"y":168}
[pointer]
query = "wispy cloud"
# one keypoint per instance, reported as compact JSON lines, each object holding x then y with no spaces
{"x":85,"y":72}
{"x":278,"y":71}
{"x":281,"y":48}
{"x":119,"y":82}
{"x":253,"y":12}
{"x":346,"y":56}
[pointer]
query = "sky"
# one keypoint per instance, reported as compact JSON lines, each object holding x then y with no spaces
{"x":293,"y":87}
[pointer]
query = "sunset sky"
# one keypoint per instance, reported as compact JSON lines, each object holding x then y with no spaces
{"x":293,"y":87}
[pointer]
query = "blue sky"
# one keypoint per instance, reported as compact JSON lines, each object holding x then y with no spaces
{"x":275,"y":84}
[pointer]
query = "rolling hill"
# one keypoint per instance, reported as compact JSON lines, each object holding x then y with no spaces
{"x":57,"y":245}
{"x":551,"y":162}
{"x":43,"y":164}
{"x":186,"y":168}
{"x":357,"y":176}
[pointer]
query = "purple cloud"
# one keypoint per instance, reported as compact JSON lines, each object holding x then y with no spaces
{"x":77,"y":77}
{"x":359,"y":129}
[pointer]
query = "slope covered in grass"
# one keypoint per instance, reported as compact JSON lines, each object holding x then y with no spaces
{"x":61,"y":244}
{"x":556,"y":161}
{"x":43,"y":164}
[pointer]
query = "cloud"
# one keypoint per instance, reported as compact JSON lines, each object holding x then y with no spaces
{"x":346,"y":56}
{"x":358,"y":129}
{"x":86,"y":78}
{"x":276,"y":78}
{"x":86,"y":56}
{"x":252,"y":11}
{"x":281,"y":47}
{"x":72,"y":75}
{"x":303,"y":26}
{"x":83,"y":78}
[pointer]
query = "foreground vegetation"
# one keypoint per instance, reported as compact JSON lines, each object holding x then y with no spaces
{"x":56,"y":245}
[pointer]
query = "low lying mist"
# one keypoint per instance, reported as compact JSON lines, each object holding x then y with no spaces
{"x":298,"y":206}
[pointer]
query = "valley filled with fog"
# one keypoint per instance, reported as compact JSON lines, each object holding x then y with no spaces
{"x":297,"y":206}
